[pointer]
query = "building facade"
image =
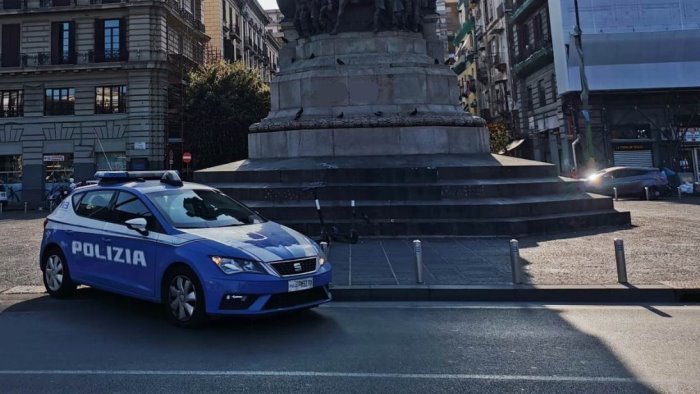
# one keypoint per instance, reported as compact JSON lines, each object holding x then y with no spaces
{"x":539,"y":115}
{"x":91,"y":85}
{"x":642,"y":72}
{"x":238,"y":33}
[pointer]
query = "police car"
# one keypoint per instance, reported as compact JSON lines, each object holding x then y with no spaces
{"x":190,"y":247}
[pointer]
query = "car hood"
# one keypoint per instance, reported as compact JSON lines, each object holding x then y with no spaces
{"x":267,"y":241}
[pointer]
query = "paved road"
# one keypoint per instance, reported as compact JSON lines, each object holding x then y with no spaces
{"x":98,"y":342}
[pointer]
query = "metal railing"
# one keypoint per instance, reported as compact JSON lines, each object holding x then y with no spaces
{"x":185,"y":14}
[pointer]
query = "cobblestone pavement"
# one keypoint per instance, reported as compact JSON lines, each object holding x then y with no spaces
{"x":663,"y":246}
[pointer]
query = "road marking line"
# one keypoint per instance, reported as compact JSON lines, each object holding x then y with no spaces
{"x":389,"y":262}
{"x":544,"y":378}
{"x":426,"y":305}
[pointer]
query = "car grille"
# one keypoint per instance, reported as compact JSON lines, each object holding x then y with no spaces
{"x":294,"y":267}
{"x":288,"y":300}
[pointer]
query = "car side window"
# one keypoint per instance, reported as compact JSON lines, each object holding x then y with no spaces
{"x":94,"y":205}
{"x":128,"y":207}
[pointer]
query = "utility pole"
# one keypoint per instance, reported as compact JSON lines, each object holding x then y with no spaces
{"x":585,"y":107}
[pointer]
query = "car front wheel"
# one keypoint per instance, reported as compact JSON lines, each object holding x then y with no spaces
{"x":183,"y":298}
{"x":56,"y":275}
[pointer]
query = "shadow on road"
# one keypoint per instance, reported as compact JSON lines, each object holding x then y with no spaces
{"x":99,"y":331}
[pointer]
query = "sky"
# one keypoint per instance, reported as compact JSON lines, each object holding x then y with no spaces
{"x":268,"y":4}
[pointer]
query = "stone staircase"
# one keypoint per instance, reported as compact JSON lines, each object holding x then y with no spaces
{"x":478,"y":195}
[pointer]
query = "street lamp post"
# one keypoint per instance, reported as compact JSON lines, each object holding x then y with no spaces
{"x":585,"y":107}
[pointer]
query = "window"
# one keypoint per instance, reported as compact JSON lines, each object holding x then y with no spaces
{"x":202,"y":209}
{"x":11,"y":169}
{"x":537,"y":29}
{"x":12,"y":103}
{"x":542,"y":95}
{"x":12,"y":4}
{"x":59,"y":101}
{"x":553,"y":86}
{"x":62,"y":43}
{"x":110,"y":40}
{"x":58,"y":168}
{"x":111,"y":161}
{"x":128,"y":207}
{"x":528,"y":102}
{"x":110,"y":99}
{"x":94,"y":205}
{"x":10,"y":45}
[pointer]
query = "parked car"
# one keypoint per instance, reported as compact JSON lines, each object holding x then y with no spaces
{"x":629,"y":181}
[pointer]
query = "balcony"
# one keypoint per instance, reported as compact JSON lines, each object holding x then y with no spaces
{"x":43,"y":59}
{"x":533,"y":58}
{"x":523,"y":8}
{"x":460,"y":66}
{"x":185,"y":14}
{"x":466,"y":28}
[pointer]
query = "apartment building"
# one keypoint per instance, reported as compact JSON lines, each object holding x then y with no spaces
{"x":539,"y":113}
{"x":238,"y":33}
{"x":91,"y":85}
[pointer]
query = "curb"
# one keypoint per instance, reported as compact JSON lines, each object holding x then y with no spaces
{"x":518,"y":293}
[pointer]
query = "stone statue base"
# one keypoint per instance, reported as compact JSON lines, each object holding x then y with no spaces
{"x":361,"y":93}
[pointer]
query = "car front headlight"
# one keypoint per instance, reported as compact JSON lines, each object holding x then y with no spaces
{"x":234,"y":266}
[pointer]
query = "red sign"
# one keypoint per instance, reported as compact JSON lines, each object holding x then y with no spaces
{"x":187,"y":157}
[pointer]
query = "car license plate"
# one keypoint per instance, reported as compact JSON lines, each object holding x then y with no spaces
{"x":301,"y":284}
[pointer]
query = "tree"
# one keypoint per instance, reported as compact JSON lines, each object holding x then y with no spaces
{"x":222,"y":101}
{"x":498,"y":136}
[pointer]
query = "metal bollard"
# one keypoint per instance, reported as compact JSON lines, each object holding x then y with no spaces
{"x":1,"y":205}
{"x":25,"y":207}
{"x":680,"y":193}
{"x":324,"y":247}
{"x":646,"y":192}
{"x":50,"y":206}
{"x":418,"y":247}
{"x":620,"y":259}
{"x":615,"y":193}
{"x":515,"y":261}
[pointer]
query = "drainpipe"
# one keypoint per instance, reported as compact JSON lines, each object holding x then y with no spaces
{"x":573,"y":151}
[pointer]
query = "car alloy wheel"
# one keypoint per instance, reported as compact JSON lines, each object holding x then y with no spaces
{"x":182,"y":298}
{"x":54,"y":272}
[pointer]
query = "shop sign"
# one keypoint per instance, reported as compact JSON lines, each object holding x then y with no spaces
{"x":139,"y":145}
{"x":51,"y":158}
{"x":631,"y":147}
{"x":692,"y":135}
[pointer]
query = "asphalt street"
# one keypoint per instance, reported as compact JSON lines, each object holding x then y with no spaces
{"x":98,"y":342}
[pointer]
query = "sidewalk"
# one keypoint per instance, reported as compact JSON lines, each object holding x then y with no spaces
{"x":479,"y":269}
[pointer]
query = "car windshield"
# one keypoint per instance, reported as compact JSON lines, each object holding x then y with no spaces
{"x":202,"y":209}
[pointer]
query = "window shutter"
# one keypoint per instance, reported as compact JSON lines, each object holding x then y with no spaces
{"x":55,"y":43}
{"x":99,"y":40}
{"x":123,"y":44}
{"x":71,"y":43}
{"x":10,"y":45}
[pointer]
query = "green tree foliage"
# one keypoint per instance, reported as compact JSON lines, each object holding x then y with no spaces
{"x":499,"y":136}
{"x":222,"y":101}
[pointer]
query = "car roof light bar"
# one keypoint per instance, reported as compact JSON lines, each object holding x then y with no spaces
{"x":171,"y":178}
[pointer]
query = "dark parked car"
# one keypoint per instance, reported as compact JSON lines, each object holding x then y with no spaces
{"x":629,"y":181}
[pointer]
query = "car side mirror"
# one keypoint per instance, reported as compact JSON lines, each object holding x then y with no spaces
{"x":137,"y":224}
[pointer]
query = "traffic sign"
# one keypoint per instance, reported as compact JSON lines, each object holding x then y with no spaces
{"x":187,"y":157}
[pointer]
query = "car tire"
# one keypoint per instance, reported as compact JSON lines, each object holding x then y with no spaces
{"x":56,"y":275}
{"x":183,"y":298}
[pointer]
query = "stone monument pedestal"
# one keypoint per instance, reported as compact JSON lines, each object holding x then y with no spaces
{"x":374,"y":118}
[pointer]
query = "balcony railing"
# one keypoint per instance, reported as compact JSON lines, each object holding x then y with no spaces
{"x":41,"y":59}
{"x":533,"y":58}
{"x":185,"y":14}
{"x":43,"y":4}
{"x":523,"y":8}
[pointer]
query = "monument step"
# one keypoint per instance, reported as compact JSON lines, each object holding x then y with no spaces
{"x":515,"y":226}
{"x":390,"y":169}
{"x":436,"y":191}
{"x":445,"y":209}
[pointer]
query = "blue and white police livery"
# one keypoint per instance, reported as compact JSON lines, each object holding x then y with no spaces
{"x":188,"y":246}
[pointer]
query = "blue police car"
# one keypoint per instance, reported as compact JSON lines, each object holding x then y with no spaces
{"x":190,"y":247}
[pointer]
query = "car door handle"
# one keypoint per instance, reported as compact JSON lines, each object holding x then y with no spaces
{"x":107,"y":240}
